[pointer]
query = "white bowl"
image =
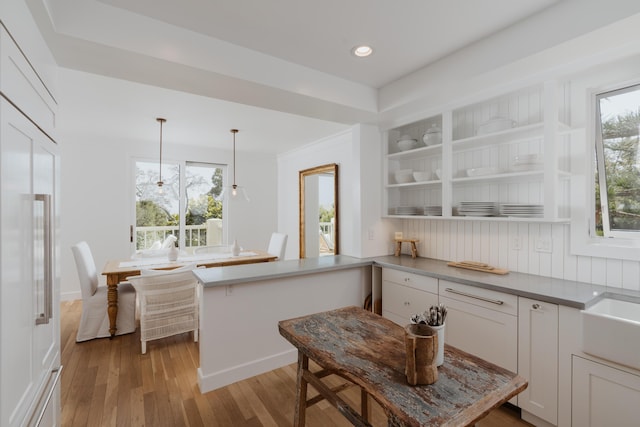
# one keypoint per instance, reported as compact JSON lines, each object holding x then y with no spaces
{"x":404,"y":176}
{"x":407,"y":144}
{"x":422,"y":176}
{"x":495,"y":124}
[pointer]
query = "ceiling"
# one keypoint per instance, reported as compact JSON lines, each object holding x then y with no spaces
{"x":281,"y":71}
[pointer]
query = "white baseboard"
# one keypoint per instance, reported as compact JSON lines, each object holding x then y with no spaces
{"x":246,"y":370}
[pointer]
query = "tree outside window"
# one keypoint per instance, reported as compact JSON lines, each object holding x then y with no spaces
{"x":617,"y":210}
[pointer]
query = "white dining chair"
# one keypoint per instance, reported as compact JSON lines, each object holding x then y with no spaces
{"x":94,"y":321}
{"x":278,"y":245}
{"x":169,"y":304}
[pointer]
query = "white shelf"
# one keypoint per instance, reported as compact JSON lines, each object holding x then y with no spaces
{"x":540,"y":111}
{"x":430,"y":150}
{"x":484,"y":218}
{"x":415,"y":184}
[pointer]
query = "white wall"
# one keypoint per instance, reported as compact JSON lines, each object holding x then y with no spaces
{"x":358,"y":154}
{"x":97,"y":200}
{"x":493,"y":242}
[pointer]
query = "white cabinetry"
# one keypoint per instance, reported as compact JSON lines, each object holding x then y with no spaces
{"x":510,"y":150}
{"x":482,"y":322}
{"x":603,"y":396}
{"x":538,"y":358}
{"x":406,"y":294}
{"x":29,"y":301}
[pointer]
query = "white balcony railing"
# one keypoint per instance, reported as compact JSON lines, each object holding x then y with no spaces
{"x":195,"y":235}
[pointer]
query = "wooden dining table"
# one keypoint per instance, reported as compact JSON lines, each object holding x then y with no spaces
{"x":117,"y":271}
{"x":369,"y":351}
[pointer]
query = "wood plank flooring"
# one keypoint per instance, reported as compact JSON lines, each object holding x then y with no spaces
{"x":109,"y":383}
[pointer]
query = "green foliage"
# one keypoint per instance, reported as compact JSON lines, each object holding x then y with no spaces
{"x":622,"y":165}
{"x":326,"y":215}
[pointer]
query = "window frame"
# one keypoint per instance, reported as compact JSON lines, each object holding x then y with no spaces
{"x":602,"y":178}
{"x":182,"y":164}
{"x":583,"y":238}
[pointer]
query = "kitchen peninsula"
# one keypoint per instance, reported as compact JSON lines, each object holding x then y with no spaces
{"x":519,"y":321}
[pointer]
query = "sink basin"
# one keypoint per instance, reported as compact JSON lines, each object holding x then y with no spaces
{"x":611,"y":330}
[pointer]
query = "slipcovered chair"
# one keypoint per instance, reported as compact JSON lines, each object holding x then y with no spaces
{"x":169,"y":303}
{"x":278,"y":245}
{"x":94,"y":321}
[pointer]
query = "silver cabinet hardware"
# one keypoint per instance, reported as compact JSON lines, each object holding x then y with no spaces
{"x":492,"y":301}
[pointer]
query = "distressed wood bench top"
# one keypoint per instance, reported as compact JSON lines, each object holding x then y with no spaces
{"x":369,"y":351}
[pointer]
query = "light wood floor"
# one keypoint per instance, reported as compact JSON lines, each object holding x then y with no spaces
{"x":109,"y":383}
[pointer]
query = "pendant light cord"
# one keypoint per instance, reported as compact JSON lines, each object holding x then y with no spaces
{"x":234,"y":131}
{"x":160,"y":183}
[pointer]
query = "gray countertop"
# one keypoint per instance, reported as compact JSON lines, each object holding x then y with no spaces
{"x":564,"y":292}
{"x":231,"y":275}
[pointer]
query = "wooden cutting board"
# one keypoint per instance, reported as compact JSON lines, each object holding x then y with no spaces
{"x":477,"y":266}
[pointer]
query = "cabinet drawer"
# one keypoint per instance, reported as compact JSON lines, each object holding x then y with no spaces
{"x":488,"y":334}
{"x":497,"y":301}
{"x":423,"y":283}
{"x":404,"y":301}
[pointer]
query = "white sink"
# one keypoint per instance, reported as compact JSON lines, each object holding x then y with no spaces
{"x":611,"y":330}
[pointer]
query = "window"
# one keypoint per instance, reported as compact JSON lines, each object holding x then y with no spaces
{"x":185,"y":206}
{"x":617,"y":168}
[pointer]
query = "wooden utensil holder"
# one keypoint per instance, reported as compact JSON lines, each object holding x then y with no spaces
{"x":421,"y":344}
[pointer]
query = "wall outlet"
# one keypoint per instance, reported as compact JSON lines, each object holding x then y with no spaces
{"x":516,"y":243}
{"x":544,"y":244}
{"x":371,"y":234}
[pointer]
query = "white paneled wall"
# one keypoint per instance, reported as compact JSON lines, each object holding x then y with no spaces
{"x":512,"y":245}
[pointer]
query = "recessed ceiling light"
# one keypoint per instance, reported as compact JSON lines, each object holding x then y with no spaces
{"x":362,"y":51}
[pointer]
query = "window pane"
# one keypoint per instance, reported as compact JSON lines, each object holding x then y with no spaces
{"x":618,"y":167}
{"x":157,"y":208}
{"x":203,"y":217}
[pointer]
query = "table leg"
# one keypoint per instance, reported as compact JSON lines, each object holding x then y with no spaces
{"x":301,"y":391}
{"x":112,"y":303}
{"x":398,"y":248}
{"x":414,"y":250}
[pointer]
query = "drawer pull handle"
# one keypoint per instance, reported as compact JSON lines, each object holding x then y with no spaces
{"x":492,"y":301}
{"x":535,"y":306}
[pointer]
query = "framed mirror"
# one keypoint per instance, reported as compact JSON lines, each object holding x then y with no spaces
{"x":319,"y":224}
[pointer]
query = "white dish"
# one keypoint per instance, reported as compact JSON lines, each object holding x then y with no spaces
{"x":495,"y":124}
{"x":407,"y":144}
{"x":422,"y":176}
{"x":482,"y":171}
{"x":403,"y":176}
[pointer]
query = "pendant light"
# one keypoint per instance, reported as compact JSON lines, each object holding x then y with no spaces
{"x":160,"y":183}
{"x":235,"y":191}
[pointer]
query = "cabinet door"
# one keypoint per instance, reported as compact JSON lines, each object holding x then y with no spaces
{"x":538,"y":358}
{"x":603,"y":396}
{"x":29,"y":339}
{"x":399,"y":302}
{"x":485,"y":333}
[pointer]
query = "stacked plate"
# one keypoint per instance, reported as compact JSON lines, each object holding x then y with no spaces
{"x":408,"y":210}
{"x":477,"y":208}
{"x":433,"y":210}
{"x":521,"y":210}
{"x":526,"y":162}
